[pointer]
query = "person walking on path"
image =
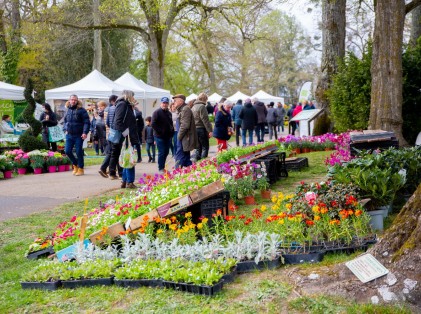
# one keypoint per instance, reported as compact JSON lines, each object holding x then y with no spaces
{"x":140,"y":124}
{"x":187,"y":134}
{"x":235,"y":113}
{"x":162,"y":125}
{"x":272,"y":120}
{"x":248,"y":116}
{"x":203,"y":126}
{"x":76,"y":127}
{"x":223,"y":125}
{"x":292,"y":125}
{"x":174,"y":116}
{"x":98,"y":129}
{"x":280,"y":111}
{"x":150,"y":140}
{"x":48,"y":118}
{"x":124,"y":120}
{"x":110,"y":124}
{"x":261,"y":119}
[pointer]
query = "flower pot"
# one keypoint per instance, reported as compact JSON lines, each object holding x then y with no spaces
{"x":297,"y":150}
{"x":305,"y":150}
{"x":250,"y":266}
{"x":229,"y":277}
{"x":41,"y":253}
{"x":51,"y":169}
{"x":8,"y":174}
{"x":211,"y":290}
{"x":376,"y":218}
{"x":37,"y":170}
{"x":66,"y":167}
{"x":61,"y":168}
{"x":265,"y":194}
{"x":71,"y":284}
{"x":135,"y":283}
{"x":21,"y":170}
{"x":46,"y":285}
{"x":303,"y":258}
{"x":249,"y":200}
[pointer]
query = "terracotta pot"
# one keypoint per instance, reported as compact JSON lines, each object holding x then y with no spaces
{"x":305,"y":150}
{"x":8,"y":174}
{"x":52,"y":169}
{"x":37,"y":170}
{"x":61,"y":168}
{"x":297,"y":150}
{"x":265,"y":194}
{"x":21,"y":170}
{"x":249,"y":200}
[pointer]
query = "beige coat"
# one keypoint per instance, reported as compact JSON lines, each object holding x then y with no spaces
{"x":187,"y":133}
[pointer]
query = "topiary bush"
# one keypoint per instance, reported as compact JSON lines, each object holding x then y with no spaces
{"x":29,"y":140}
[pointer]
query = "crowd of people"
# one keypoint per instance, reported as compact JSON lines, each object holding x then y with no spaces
{"x":184,"y":129}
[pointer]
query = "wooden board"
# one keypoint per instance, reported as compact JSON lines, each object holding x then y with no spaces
{"x":206,"y":191}
{"x":174,"y":206}
{"x":136,"y":223}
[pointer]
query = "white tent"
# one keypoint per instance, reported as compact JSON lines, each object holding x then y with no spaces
{"x":238,"y":95}
{"x":94,"y":85}
{"x":11,"y":92}
{"x":191,"y":97}
{"x":214,"y":98}
{"x":266,"y":98}
{"x":151,"y":95}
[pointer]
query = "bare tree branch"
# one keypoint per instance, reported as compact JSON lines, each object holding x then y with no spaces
{"x":412,"y":5}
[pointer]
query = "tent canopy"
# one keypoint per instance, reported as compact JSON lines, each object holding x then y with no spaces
{"x":150,"y":92}
{"x":238,"y":95}
{"x":267,"y":98}
{"x":191,"y":97}
{"x":94,"y":85}
{"x":215,"y":97}
{"x":11,"y":92}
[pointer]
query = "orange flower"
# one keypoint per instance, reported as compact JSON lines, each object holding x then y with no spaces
{"x":316,"y":209}
{"x":173,"y":219}
{"x":358,"y":212}
{"x":145,"y":218}
{"x":334,"y":222}
{"x":309,"y":222}
{"x":218,"y":212}
{"x":316,"y":218}
{"x":350,"y":212}
{"x":157,"y":219}
{"x":323,"y":210}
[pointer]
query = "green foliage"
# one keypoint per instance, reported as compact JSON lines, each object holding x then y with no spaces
{"x":29,"y":140}
{"x":349,"y":95}
{"x":411,"y":63}
{"x":9,"y":64}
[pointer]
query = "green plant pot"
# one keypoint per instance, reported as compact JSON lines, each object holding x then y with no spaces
{"x":376,"y":218}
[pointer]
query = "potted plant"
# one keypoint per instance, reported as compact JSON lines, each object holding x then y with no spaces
{"x":22,"y":162}
{"x":51,"y":162}
{"x":8,"y":167}
{"x":37,"y":163}
{"x":44,"y":276}
{"x":65,"y":160}
{"x":262,"y":184}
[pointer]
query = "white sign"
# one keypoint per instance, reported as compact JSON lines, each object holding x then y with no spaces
{"x":366,"y":268}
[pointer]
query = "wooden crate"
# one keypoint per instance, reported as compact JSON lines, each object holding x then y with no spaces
{"x":174,"y":206}
{"x":136,"y":223}
{"x":206,"y":191}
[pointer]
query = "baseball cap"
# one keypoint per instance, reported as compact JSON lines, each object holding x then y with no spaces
{"x":179,"y":96}
{"x":165,"y":99}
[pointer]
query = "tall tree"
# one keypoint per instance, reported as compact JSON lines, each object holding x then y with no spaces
{"x":386,"y":66}
{"x":97,"y":62}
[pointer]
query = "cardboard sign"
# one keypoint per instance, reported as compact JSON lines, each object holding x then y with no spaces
{"x":69,"y":252}
{"x":174,"y":206}
{"x":366,"y":268}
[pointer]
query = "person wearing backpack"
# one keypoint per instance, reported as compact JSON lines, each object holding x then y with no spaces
{"x":272,"y":120}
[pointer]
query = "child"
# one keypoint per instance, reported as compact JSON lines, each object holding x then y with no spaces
{"x":150,"y":140}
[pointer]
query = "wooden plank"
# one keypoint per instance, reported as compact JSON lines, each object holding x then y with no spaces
{"x":174,"y":206}
{"x":136,"y":223}
{"x":206,"y":191}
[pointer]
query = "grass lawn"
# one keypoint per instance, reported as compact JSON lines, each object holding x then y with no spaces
{"x":269,"y":291}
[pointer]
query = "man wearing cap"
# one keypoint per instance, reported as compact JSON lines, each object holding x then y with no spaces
{"x":187,"y":135}
{"x":163,"y":128}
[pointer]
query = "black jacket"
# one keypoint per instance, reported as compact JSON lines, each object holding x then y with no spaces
{"x":52,"y":121}
{"x":162,"y":124}
{"x":222,"y":122}
{"x":76,"y":120}
{"x":124,"y":118}
{"x":249,"y":116}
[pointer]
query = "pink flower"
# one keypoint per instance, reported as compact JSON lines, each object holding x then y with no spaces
{"x":310,"y":196}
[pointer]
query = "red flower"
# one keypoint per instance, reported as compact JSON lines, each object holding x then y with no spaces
{"x":309,"y":222}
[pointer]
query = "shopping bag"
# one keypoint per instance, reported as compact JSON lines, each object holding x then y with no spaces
{"x":128,"y":156}
{"x":55,"y":134}
{"x":114,"y":136}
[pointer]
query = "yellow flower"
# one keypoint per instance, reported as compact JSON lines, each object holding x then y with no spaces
{"x":274,"y":199}
{"x":281,"y":221}
{"x":187,"y":215}
{"x":263,"y":208}
{"x":288,"y":206}
{"x":205,"y":220}
{"x":159,"y":231}
{"x":186,"y":228}
{"x":199,"y":225}
{"x":173,"y":226}
{"x":275,"y":208}
{"x":316,"y":209}
{"x":167,"y":221}
{"x":316,"y":218}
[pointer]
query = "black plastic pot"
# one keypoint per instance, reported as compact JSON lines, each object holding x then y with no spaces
{"x":303,"y":258}
{"x":170,"y":284}
{"x":136,"y":283}
{"x":71,"y":284}
{"x":230,"y":276}
{"x":211,"y":290}
{"x":46,"y":285}
{"x":249,"y":266}
{"x":41,"y":253}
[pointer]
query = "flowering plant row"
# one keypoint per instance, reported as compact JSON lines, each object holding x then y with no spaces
{"x":17,"y":158}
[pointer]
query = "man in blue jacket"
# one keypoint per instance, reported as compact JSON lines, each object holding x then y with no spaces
{"x":235,"y":113}
{"x":76,"y":126}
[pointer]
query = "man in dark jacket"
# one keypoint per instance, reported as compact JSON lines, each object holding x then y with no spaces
{"x":248,"y":115}
{"x":110,"y":124}
{"x":125,"y":122}
{"x":163,"y":131}
{"x":261,"y":119}
{"x":235,"y":114}
{"x":76,"y":126}
{"x":140,"y":125}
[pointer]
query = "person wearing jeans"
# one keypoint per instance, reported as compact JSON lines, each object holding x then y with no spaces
{"x":261,"y":119}
{"x":248,"y":116}
{"x":76,"y":127}
{"x":163,"y":128}
{"x":235,"y":113}
{"x":203,"y":126}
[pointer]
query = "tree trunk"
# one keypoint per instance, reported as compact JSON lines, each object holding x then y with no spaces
{"x":244,"y":86}
{"x":3,"y":45}
{"x":210,"y":68}
{"x":415,"y":25}
{"x":333,"y":38}
{"x":386,"y":68}
{"x":97,"y":61}
{"x":156,"y":61}
{"x":15,"y":19}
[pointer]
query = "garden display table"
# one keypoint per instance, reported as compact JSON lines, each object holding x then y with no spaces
{"x":372,"y":139}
